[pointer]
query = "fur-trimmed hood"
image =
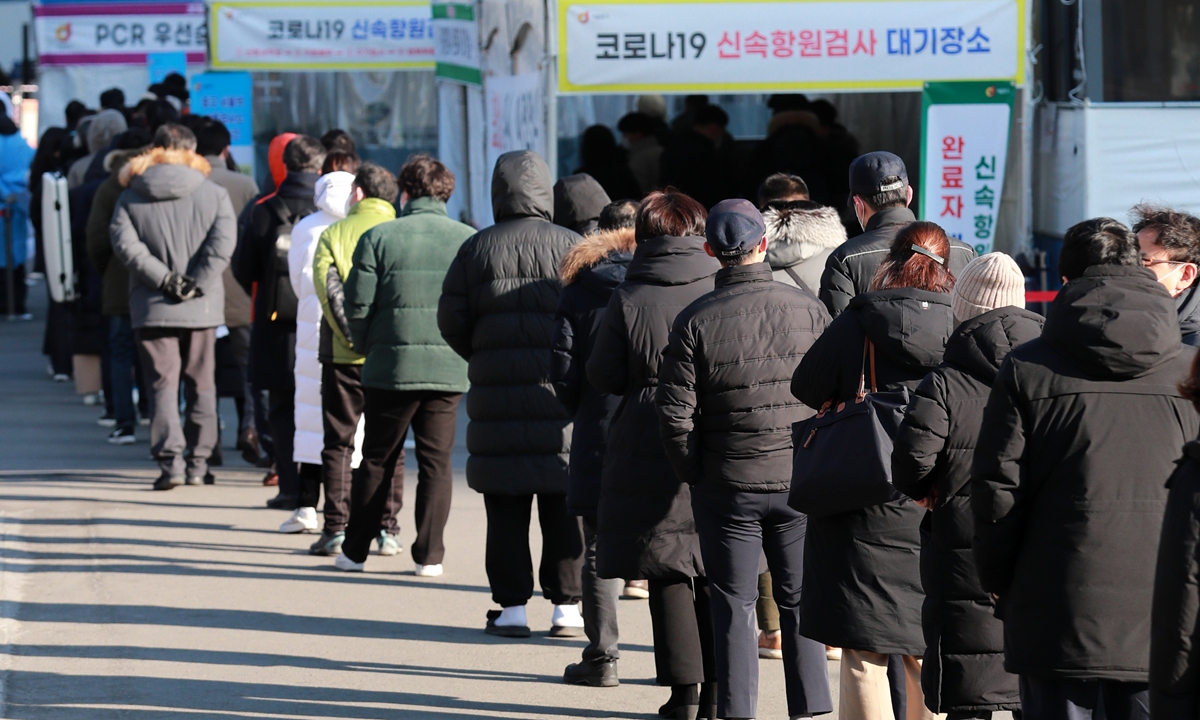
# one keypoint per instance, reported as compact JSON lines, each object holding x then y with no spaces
{"x":117,"y":159}
{"x":593,"y":249}
{"x":796,"y":234}
{"x":161,"y":174}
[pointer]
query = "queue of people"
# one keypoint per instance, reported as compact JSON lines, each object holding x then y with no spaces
{"x":639,"y":370}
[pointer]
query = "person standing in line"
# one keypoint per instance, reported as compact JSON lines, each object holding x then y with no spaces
{"x":174,"y":230}
{"x":963,"y":672}
{"x":314,"y":342}
{"x":1170,"y":244}
{"x":1067,"y":484}
{"x":578,"y":202}
{"x":644,"y":524}
{"x":411,"y":376}
{"x":862,"y":580}
{"x":726,"y":416}
{"x":262,"y":258}
{"x":881,"y":195}
{"x":497,"y":312}
{"x":590,"y":272}
{"x":370,"y":204}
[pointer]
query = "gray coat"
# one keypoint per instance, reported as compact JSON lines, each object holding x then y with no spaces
{"x":172,"y":218}
{"x":800,"y":237}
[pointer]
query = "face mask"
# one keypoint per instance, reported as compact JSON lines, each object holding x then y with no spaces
{"x":1164,"y":278}
{"x":858,"y":215}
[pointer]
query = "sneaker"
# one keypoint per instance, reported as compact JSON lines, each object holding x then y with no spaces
{"x":167,"y":481}
{"x":144,"y":421}
{"x":284,"y":502}
{"x":122,"y":436}
{"x":92,"y":399}
{"x":428,"y":570}
{"x":389,"y":545}
{"x":636,"y":590}
{"x":61,"y":377}
{"x":302,"y":520}
{"x":106,"y":420}
{"x":509,"y":622}
{"x":328,"y":544}
{"x":205,"y":479}
{"x":345,"y":564}
{"x":566,"y":621}
{"x":592,"y":674}
{"x":770,"y":645}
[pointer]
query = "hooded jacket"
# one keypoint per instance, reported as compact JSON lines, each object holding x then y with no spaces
{"x":590,"y":273}
{"x":497,"y":312}
{"x":331,"y":195}
{"x":1078,"y":437}
{"x":850,"y":268}
{"x":258,"y":258}
{"x":964,"y":654}
{"x":114,"y":293}
{"x":103,"y":127}
{"x":578,"y":200}
{"x":799,"y":241}
{"x":241,"y":189}
{"x":862,"y":580}
{"x":645,"y":527}
{"x":173,"y":219}
{"x":15,"y":159}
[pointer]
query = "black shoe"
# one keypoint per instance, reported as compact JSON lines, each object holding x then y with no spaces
{"x":684,"y":703}
{"x":167,"y":481}
{"x":217,"y":458}
{"x":207,"y":479}
{"x":328,"y":545}
{"x":284,"y":502}
{"x":592,"y":674}
{"x":708,"y":701}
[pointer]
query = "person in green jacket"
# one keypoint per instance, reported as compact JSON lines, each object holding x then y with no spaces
{"x":411,"y":376}
{"x":371,"y":199}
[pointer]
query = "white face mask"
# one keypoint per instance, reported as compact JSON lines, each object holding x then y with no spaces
{"x":859,"y":216}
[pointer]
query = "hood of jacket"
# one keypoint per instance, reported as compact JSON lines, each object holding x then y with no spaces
{"x":275,"y":150}
{"x":908,"y":326}
{"x":332,"y":193}
{"x":1188,"y":307}
{"x":521,"y":187}
{"x":578,"y":200}
{"x":980,"y":344}
{"x":162,"y":174}
{"x":671,"y":260}
{"x":117,"y":159}
{"x":599,"y":261}
{"x":106,"y":125}
{"x":794,"y":234}
{"x":1115,"y":322}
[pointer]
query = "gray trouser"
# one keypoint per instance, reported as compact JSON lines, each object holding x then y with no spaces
{"x":599,"y":603}
{"x":170,"y":355}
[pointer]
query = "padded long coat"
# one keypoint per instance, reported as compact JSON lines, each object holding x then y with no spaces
{"x":964,"y":654}
{"x":645,"y":524}
{"x":497,"y":312}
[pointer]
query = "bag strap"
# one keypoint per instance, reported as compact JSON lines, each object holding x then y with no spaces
{"x":799,"y":280}
{"x":871,"y":345}
{"x":868,"y":353}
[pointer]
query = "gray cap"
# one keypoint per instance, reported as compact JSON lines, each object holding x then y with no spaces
{"x":877,"y":172}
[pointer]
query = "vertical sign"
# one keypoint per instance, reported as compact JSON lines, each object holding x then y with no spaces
{"x":161,"y":64}
{"x":516,"y":115}
{"x":226,"y":96}
{"x":456,"y":42}
{"x":963,"y":151}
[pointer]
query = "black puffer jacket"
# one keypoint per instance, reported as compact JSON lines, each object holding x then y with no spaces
{"x":862,"y":584}
{"x":1175,"y":618}
{"x":851,"y":268}
{"x":578,"y":200}
{"x":645,"y":526}
{"x":497,"y":312}
{"x":723,"y":402}
{"x":1188,"y":306}
{"x":1080,"y":430}
{"x":964,"y":653}
{"x":590,"y":273}
{"x":259,"y":260}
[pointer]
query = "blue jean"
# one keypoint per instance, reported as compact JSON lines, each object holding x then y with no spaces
{"x":121,"y":352}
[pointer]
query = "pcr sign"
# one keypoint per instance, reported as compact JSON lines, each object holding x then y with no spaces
{"x":95,"y":34}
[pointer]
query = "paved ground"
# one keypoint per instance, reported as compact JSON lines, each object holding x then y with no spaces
{"x":119,"y":602}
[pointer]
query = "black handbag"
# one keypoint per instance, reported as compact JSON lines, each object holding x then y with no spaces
{"x":842,"y":456}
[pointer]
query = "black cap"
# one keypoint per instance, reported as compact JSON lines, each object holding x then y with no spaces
{"x":877,"y":172}
{"x":734,"y":228}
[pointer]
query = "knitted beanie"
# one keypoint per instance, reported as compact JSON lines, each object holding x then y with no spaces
{"x":986,"y":283}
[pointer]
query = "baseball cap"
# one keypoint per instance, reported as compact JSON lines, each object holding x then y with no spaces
{"x":877,"y":172}
{"x":734,"y":228}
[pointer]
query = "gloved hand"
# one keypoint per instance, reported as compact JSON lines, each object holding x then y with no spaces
{"x":180,"y":288}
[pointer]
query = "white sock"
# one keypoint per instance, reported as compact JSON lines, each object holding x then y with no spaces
{"x":566,"y":616}
{"x":512,"y":617}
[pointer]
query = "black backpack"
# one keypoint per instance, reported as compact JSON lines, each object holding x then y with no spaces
{"x":282,"y":303}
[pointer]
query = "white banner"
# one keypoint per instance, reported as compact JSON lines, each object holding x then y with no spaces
{"x":789,"y":45}
{"x":516,"y":115}
{"x":369,"y":35}
{"x":119,"y":34}
{"x":456,"y":42}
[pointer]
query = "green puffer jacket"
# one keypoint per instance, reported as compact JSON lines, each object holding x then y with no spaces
{"x":392,"y":298}
{"x":335,"y":250}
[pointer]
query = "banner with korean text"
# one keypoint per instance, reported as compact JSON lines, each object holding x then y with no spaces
{"x":456,"y":42}
{"x":963,"y":151}
{"x":226,"y":96}
{"x":634,"y":46}
{"x":311,"y":35}
{"x":119,"y":33}
{"x":515,"y":110}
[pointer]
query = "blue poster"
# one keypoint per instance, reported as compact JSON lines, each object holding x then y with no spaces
{"x":162,"y":64}
{"x":226,"y":96}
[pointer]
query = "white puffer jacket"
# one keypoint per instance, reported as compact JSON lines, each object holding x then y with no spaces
{"x":332,"y":195}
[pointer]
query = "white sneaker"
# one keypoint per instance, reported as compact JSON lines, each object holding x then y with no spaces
{"x":302,"y":520}
{"x":512,"y":617}
{"x":429,"y":570}
{"x":566,"y":621}
{"x":346,"y":564}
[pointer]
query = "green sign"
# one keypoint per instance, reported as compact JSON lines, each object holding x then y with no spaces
{"x":456,"y":42}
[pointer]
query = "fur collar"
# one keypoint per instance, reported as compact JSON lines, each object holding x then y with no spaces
{"x":162,"y":156}
{"x":592,"y":249}
{"x":820,"y":228}
{"x":117,"y":159}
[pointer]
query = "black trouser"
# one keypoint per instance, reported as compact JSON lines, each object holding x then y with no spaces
{"x":735,"y":528}
{"x":1070,"y":699}
{"x":681,"y":618}
{"x":19,"y":287}
{"x":600,"y":597}
{"x":274,"y":354}
{"x":433,"y":416}
{"x":509,"y":563}
{"x":342,"y":401}
{"x":310,"y":486}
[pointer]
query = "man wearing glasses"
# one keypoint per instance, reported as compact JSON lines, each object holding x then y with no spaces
{"x":1170,"y":246}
